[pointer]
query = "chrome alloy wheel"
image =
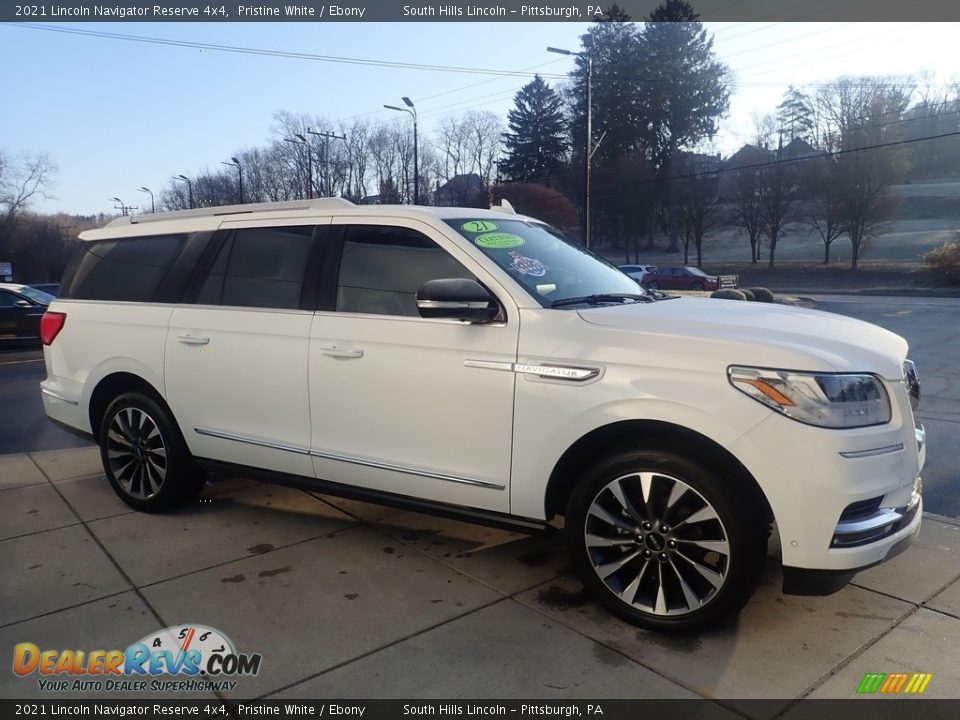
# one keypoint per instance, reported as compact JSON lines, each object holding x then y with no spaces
{"x":137,"y":453}
{"x":657,"y":544}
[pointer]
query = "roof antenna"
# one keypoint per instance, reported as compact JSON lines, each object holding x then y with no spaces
{"x":504,"y":207}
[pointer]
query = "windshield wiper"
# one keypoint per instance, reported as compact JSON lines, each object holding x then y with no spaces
{"x":601,"y":298}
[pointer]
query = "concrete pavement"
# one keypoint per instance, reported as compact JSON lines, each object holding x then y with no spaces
{"x":345,"y":599}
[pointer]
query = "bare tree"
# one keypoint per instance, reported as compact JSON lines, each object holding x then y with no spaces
{"x":697,"y":203}
{"x":22,"y":180}
{"x":484,"y":133}
{"x":862,"y":119}
{"x":453,"y":138}
{"x":743,"y":189}
{"x":821,"y":206}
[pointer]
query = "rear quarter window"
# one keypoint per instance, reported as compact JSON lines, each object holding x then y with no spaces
{"x":127,"y":269}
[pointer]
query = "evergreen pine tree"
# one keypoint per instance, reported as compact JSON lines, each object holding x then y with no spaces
{"x":795,"y":115}
{"x":536,"y":145}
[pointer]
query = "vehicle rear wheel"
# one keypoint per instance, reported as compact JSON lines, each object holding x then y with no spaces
{"x":145,"y":457}
{"x":661,"y":541}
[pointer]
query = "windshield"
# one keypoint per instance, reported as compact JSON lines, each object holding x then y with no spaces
{"x":38,"y":296}
{"x":548,"y":266}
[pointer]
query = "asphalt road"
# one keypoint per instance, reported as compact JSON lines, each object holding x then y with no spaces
{"x":931,"y":327}
{"x":929,"y":324}
{"x":23,"y":425}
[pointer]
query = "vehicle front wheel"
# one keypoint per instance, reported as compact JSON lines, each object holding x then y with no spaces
{"x":145,"y":457}
{"x":698,"y":286}
{"x":651,"y":286}
{"x":664,"y":542}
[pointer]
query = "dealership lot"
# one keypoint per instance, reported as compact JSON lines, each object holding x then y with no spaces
{"x":345,"y":599}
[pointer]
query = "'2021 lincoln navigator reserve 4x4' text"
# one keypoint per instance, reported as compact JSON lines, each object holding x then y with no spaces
{"x":475,"y":363}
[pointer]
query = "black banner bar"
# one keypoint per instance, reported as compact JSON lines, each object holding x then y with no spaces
{"x":854,"y":709}
{"x":477,"y":11}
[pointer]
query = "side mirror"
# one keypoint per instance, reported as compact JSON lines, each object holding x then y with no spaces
{"x":456,"y":299}
{"x":23,"y":304}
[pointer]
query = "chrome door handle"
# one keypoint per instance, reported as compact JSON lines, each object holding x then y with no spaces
{"x":193,"y":339}
{"x":338,"y":352}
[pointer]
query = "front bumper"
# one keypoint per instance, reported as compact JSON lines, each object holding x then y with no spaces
{"x":803,"y":581}
{"x":842,"y":500}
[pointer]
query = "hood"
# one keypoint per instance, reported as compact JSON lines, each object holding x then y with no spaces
{"x":754,"y":333}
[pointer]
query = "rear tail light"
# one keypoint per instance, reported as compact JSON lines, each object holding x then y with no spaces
{"x":50,"y":326}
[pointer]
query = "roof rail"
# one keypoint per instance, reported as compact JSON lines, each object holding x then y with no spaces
{"x":316,"y":204}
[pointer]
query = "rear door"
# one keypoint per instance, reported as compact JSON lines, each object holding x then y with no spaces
{"x":236,"y":354}
{"x":400,"y":403}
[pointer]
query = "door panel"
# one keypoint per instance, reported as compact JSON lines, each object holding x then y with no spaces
{"x":236,"y":365}
{"x":403,"y":404}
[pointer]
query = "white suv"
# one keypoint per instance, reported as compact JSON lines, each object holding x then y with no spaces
{"x":474,"y":363}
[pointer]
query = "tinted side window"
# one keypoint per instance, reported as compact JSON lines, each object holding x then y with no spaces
{"x":382,"y":268}
{"x":259,"y":267}
{"x":130,"y":269}
{"x":8,"y":299}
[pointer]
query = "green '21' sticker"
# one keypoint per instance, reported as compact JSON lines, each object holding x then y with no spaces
{"x":478,"y":226}
{"x":498,"y":241}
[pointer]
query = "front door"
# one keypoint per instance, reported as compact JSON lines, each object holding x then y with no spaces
{"x":403,"y":404}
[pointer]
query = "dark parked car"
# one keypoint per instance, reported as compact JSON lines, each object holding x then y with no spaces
{"x":21,"y":308}
{"x":48,"y":288}
{"x":686,"y":278}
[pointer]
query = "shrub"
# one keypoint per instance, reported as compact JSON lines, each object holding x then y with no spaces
{"x":762,"y":295}
{"x":748,"y":294}
{"x":728,"y":295}
{"x":945,"y":260}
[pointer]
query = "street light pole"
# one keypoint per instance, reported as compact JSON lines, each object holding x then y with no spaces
{"x":325,"y":160}
{"x":153,"y":206}
{"x":588,"y":144}
{"x":236,"y":164}
{"x":301,"y":140}
{"x":185,"y":179}
{"x":416,"y":164}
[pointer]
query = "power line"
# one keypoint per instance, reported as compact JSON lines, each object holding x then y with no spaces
{"x":239,"y":49}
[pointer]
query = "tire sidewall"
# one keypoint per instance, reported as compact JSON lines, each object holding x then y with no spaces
{"x":744,"y":528}
{"x":182,"y":480}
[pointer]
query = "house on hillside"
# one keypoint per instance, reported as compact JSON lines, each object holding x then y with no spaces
{"x":457,"y":190}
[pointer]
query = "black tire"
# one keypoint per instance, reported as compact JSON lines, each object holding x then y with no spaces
{"x":144,"y":455}
{"x":698,"y":286}
{"x":651,"y":286}
{"x":651,"y":585}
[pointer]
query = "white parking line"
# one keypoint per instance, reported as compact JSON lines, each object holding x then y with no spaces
{"x":21,"y":362}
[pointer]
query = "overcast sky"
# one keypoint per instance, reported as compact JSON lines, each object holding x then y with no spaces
{"x":118,"y":114}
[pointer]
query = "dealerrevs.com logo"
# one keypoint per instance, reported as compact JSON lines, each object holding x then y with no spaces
{"x":183,"y":658}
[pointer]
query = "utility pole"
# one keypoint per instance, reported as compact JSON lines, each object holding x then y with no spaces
{"x":124,"y":209}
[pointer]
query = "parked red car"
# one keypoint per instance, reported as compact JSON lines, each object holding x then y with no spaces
{"x":687,"y":278}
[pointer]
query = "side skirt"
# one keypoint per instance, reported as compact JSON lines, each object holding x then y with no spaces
{"x":488,"y":518}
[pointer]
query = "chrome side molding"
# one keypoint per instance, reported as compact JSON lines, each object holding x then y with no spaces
{"x":353,"y":460}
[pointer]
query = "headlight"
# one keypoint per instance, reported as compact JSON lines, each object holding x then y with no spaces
{"x":822,"y":399}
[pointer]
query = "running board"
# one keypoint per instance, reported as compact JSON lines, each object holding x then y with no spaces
{"x":488,"y":518}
